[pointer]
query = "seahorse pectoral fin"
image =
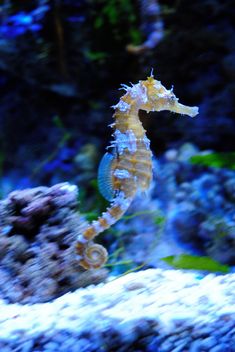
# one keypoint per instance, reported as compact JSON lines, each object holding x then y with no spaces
{"x":105,"y":176}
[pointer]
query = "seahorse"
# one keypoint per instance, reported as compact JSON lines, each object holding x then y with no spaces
{"x":127,"y":166}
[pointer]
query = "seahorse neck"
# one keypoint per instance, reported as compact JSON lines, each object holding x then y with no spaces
{"x":129,"y":121}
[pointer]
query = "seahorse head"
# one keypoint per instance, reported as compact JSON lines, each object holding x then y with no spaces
{"x":158,"y":98}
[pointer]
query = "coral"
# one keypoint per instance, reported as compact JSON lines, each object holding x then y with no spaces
{"x":191,"y":210}
{"x":199,"y":204}
{"x":38,"y":232}
{"x":128,"y":167}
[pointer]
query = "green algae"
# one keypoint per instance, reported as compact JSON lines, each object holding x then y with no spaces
{"x":193,"y":262}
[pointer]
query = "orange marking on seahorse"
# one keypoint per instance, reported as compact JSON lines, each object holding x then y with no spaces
{"x":79,"y":247}
{"x":115,"y":211}
{"x":85,"y":265}
{"x":103,"y":223}
{"x":117,"y":183}
{"x":135,"y":171}
{"x":89,"y":233}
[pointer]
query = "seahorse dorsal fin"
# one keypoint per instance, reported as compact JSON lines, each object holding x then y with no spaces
{"x":105,"y":176}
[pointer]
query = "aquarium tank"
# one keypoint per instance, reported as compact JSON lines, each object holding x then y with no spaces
{"x":117,"y":188}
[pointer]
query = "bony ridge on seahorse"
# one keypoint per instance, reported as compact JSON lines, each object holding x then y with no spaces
{"x":127,"y":168}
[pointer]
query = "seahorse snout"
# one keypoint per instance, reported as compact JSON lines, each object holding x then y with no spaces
{"x":183,"y":109}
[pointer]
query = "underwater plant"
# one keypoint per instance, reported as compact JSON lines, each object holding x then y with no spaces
{"x":194,"y":262}
{"x":22,"y":22}
{"x":217,"y":160}
{"x":128,"y":167}
{"x":152,"y":25}
{"x":110,"y":12}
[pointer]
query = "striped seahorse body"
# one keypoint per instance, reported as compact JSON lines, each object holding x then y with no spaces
{"x":127,"y":167}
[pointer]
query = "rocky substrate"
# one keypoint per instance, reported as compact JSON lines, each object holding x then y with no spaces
{"x":190,"y":209}
{"x":38,"y":230}
{"x":199,"y":202}
{"x":152,"y":310}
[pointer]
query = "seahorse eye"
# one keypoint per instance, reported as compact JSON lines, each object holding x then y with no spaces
{"x":172,"y":98}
